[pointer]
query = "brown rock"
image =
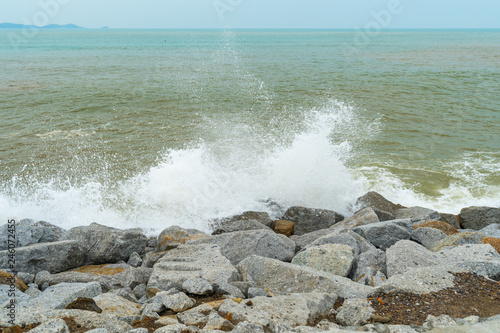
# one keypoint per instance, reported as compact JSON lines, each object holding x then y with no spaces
{"x":377,"y":202}
{"x":448,"y":229}
{"x":283,"y":227}
{"x":495,"y":242}
{"x":6,"y":278}
{"x":151,"y":292}
{"x":84,"y":303}
{"x":100,"y":270}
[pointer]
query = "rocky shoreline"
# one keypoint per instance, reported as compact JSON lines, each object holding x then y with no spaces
{"x":387,"y":269}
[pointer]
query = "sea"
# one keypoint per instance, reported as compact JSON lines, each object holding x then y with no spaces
{"x":153,"y":128}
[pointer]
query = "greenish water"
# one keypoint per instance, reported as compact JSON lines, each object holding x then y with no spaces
{"x":158,"y":127}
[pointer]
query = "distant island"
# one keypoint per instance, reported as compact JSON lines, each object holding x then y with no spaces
{"x":50,"y":26}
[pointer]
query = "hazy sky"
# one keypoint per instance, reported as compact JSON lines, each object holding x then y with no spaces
{"x":255,"y":13}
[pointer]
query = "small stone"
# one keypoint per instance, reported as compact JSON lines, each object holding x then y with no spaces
{"x":140,"y":291}
{"x":177,"y":302}
{"x":134,"y":260}
{"x":216,"y":322}
{"x":197,"y":286}
{"x":84,"y":303}
{"x":53,"y":326}
{"x":247,"y":327}
{"x":336,"y":259}
{"x":438,"y":322}
{"x":26,"y":277}
{"x":283,"y":227}
{"x":311,"y":219}
{"x":355,"y":312}
{"x":494,"y":242}
{"x":6,"y":278}
{"x":254,"y":292}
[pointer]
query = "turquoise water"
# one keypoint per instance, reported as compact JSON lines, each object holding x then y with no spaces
{"x":159,"y":127}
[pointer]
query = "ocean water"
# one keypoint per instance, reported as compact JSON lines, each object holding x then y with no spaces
{"x":150,"y":128}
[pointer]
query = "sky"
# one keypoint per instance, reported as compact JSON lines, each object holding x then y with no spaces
{"x":256,"y":14}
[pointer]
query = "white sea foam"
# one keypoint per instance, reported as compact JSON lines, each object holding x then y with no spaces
{"x":241,"y":168}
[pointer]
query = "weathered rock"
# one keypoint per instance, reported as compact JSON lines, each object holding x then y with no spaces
{"x":378,"y":202}
{"x":362,"y":217}
{"x":416,"y":214}
{"x":216,"y":322}
{"x":53,"y":257}
{"x":440,"y":225}
{"x":355,"y":312}
{"x":59,"y":296}
{"x":283,"y":227}
{"x":427,"y":236}
{"x":140,"y":290}
{"x":451,"y":219}
{"x":254,"y":292}
{"x":419,"y":280}
{"x":107,"y":245}
{"x":176,"y":328}
{"x":385,"y":234}
{"x":53,"y":326}
{"x":194,"y":261}
{"x":247,"y":327}
{"x":438,"y":322}
{"x":176,"y":302}
{"x":136,"y":276}
{"x":30,"y":232}
{"x":492,"y":230}
{"x":375,"y":259}
{"x":33,"y":290}
{"x":406,"y":254}
{"x":311,"y":219}
{"x":197,"y":316}
{"x":6,"y":296}
{"x":466,"y":237}
{"x":345,"y":238}
{"x":197,"y":286}
{"x":84,"y":303}
{"x":261,"y":217}
{"x":477,"y":218}
{"x":294,"y":309}
{"x":239,"y":225}
{"x":283,"y":278}
{"x":126,"y":293}
{"x":134,"y":260}
{"x":494,"y":242}
{"x":336,"y":259}
{"x":9,"y":278}
{"x":369,"y":277}
{"x":236,"y":246}
{"x":174,"y":236}
{"x":112,"y":303}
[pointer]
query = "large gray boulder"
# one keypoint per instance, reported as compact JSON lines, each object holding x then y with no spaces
{"x":31,"y":232}
{"x":194,"y":261}
{"x":52,"y":326}
{"x":355,"y":312}
{"x":174,"y":236}
{"x":281,"y":278}
{"x":336,"y":259}
{"x":236,"y":246}
{"x":310,"y":219}
{"x":385,"y":234}
{"x":427,"y":236}
{"x":492,"y":230}
{"x":477,"y":218}
{"x":421,"y":280}
{"x":416,"y":214}
{"x":59,"y":296}
{"x":461,"y":238}
{"x":405,"y":255}
{"x":362,"y":217}
{"x":293,"y":310}
{"x":375,"y":259}
{"x":239,"y":225}
{"x":107,"y":245}
{"x":260,"y":217}
{"x":53,"y":257}
{"x":112,"y":303}
{"x":378,"y":203}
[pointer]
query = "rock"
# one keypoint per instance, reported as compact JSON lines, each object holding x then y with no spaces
{"x":494,"y":242}
{"x":247,"y":327}
{"x":134,"y":260}
{"x":451,"y":219}
{"x":6,"y":297}
{"x":438,"y":322}
{"x":140,"y":290}
{"x":84,"y":303}
{"x":174,"y":236}
{"x":477,"y":218}
{"x":177,"y":302}
{"x":261,"y":217}
{"x":362,"y":217}
{"x":294,"y":309}
{"x":136,"y":276}
{"x":59,"y":296}
{"x":440,"y":225}
{"x":385,"y":234}
{"x":27,"y":278}
{"x":375,"y":259}
{"x":345,"y":238}
{"x":254,"y":292}
{"x":112,"y":303}
{"x":336,"y":259}
{"x":197,"y":286}
{"x":197,"y":316}
{"x":216,"y":322}
{"x":236,"y":246}
{"x":311,"y":219}
{"x":377,"y":201}
{"x":283,"y":278}
{"x":53,"y":326}
{"x":107,"y":245}
{"x":29,"y":232}
{"x":427,"y":236}
{"x":422,"y":280}
{"x":152,"y":309}
{"x":9,"y":278}
{"x":126,"y":293}
{"x":239,"y":225}
{"x":177,"y":328}
{"x":370,"y":277}
{"x":416,"y":214}
{"x":194,"y":261}
{"x":406,"y":254}
{"x":492,"y":230}
{"x":355,"y":312}
{"x":33,"y":291}
{"x":283,"y":227}
{"x":53,"y":257}
{"x":466,"y":237}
